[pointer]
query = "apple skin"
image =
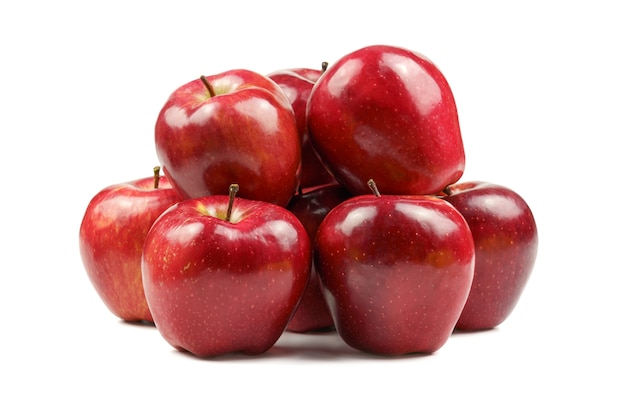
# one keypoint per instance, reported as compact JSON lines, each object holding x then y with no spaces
{"x":246,"y":133}
{"x":312,"y":314}
{"x":395,"y":270}
{"x":387,"y":113}
{"x":297,"y":84}
{"x":506,"y":241}
{"x":111,"y":237}
{"x":216,"y":286}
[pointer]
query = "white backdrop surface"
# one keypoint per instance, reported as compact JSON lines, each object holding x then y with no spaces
{"x":540,"y":92}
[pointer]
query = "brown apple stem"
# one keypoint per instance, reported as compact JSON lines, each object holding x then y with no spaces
{"x":324,"y":66}
{"x":373,"y":187}
{"x":232,"y":190}
{"x":208,"y":85}
{"x":157,"y":176}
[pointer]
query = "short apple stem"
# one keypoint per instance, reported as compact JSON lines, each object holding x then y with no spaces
{"x":232,"y":190}
{"x":208,"y":85}
{"x":324,"y":66}
{"x":373,"y":187}
{"x":157,"y":176}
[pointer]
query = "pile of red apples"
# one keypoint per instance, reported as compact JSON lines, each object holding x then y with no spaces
{"x":309,"y":201}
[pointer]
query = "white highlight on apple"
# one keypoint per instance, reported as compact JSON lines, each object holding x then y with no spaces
{"x":356,"y":218}
{"x":186,"y":233}
{"x":286,"y":234}
{"x":438,"y":223}
{"x":423,"y":87}
{"x":339,"y":80}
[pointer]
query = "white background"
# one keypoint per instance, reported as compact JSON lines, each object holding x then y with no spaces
{"x":540,"y":92}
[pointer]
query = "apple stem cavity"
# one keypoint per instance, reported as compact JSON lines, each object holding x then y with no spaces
{"x":373,"y":187}
{"x":232,"y":190}
{"x":157,"y":176}
{"x":208,"y":86}
{"x":324,"y":66}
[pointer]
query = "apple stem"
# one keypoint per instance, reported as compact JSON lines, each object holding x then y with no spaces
{"x":232,"y":190}
{"x":324,"y":66}
{"x":208,"y":85}
{"x":157,"y":176}
{"x":373,"y":187}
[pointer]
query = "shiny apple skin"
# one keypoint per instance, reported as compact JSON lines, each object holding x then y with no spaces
{"x":246,"y":134}
{"x":506,"y":240}
{"x":111,"y":237}
{"x":386,"y":113}
{"x":297,"y":84}
{"x":215,"y":286}
{"x":396,"y":271}
{"x":312,"y":314}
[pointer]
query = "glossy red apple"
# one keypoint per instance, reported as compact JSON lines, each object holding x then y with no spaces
{"x":224,"y":274}
{"x":311,"y":207}
{"x":506,"y":241}
{"x":395,"y":270}
{"x":388,"y":113}
{"x":236,"y":126}
{"x":112,"y":233}
{"x":297,"y":84}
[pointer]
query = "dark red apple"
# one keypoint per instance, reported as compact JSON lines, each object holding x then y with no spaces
{"x":311,"y":207}
{"x":395,"y":270}
{"x":506,"y":241}
{"x":236,"y":126}
{"x":225,"y":274}
{"x":112,"y":233}
{"x":297,"y":84}
{"x":387,"y":113}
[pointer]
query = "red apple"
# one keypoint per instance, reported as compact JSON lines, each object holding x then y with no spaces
{"x":297,"y":84}
{"x":395,"y":270}
{"x":236,"y":126}
{"x":388,"y":113}
{"x":225,"y":274}
{"x":311,"y":207}
{"x":505,"y":237}
{"x":112,"y":233}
